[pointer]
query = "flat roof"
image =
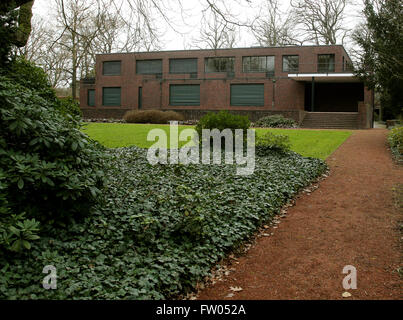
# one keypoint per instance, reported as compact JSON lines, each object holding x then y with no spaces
{"x":226,"y":49}
{"x":325,"y":77}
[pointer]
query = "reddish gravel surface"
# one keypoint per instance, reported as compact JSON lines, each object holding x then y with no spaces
{"x":351,"y":219}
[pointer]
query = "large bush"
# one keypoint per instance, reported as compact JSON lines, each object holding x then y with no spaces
{"x":276,"y":121}
{"x":49,"y":170}
{"x":221,"y":121}
{"x":160,"y":229}
{"x":152,"y":116}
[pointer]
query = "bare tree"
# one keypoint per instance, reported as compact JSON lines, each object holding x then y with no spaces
{"x":115,"y":35}
{"x":216,"y":33}
{"x":76,"y":34}
{"x":36,"y":42}
{"x":86,"y":28}
{"x":274,"y":27}
{"x":322,"y":21}
{"x":220,"y":8}
{"x":42,"y":50}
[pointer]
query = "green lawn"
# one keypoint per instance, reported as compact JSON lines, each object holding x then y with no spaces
{"x":313,"y":143}
{"x":309,"y":143}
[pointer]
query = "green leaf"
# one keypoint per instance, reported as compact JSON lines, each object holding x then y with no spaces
{"x":20,"y":183}
{"x":26,"y":244}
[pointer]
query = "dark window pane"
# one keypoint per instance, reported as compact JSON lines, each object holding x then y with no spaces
{"x":91,"y":98}
{"x":148,"y":66}
{"x":326,"y":63}
{"x":349,"y":66}
{"x":258,"y":64}
{"x":270,"y":64}
{"x":212,"y":65}
{"x":111,"y":96}
{"x":290,"y":63}
{"x":219,"y":64}
{"x":111,"y":68}
{"x":247,"y":95}
{"x":183,"y":66}
{"x":184,"y":95}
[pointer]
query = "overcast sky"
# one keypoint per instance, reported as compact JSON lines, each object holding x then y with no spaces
{"x":185,"y":24}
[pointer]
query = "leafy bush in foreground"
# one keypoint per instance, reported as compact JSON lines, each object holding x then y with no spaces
{"x":269,"y":141}
{"x":49,"y":169}
{"x":159,"y":230}
{"x":152,"y":116}
{"x":276,"y":121}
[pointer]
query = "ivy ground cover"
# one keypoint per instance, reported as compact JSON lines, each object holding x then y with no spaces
{"x":309,"y":143}
{"x":158,"y":229}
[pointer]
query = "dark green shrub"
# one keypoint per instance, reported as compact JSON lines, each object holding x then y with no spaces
{"x":50,"y":170}
{"x":70,"y":106}
{"x":28,"y":75}
{"x":16,"y":232}
{"x":152,"y":116}
{"x":8,"y":28}
{"x":221,"y":121}
{"x":269,"y":142}
{"x":276,"y":121}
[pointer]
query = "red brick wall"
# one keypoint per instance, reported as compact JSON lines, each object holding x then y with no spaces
{"x":284,"y":94}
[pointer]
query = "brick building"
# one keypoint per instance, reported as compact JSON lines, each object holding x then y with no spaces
{"x":312,"y":84}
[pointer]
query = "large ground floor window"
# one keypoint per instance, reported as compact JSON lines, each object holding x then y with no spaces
{"x":184,"y":95}
{"x":247,"y":94}
{"x":111,"y":96}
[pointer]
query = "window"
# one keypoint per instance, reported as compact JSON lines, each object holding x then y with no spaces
{"x":258,"y":64}
{"x":219,"y":64}
{"x":183,"y":66}
{"x":111,"y":68}
{"x":326,"y":63}
{"x":91,"y":98}
{"x":184,"y":95}
{"x":290,"y":63}
{"x":111,"y":96}
{"x":247,"y":95}
{"x":148,"y":66}
{"x":349,"y":66}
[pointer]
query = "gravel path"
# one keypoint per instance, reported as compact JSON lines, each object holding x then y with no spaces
{"x":351,"y":219}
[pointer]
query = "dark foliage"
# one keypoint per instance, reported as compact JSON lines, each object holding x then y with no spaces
{"x":159,"y":230}
{"x":49,"y":170}
{"x":381,"y":65}
{"x":8,"y":27}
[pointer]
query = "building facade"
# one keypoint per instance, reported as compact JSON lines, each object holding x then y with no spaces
{"x":292,"y":80}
